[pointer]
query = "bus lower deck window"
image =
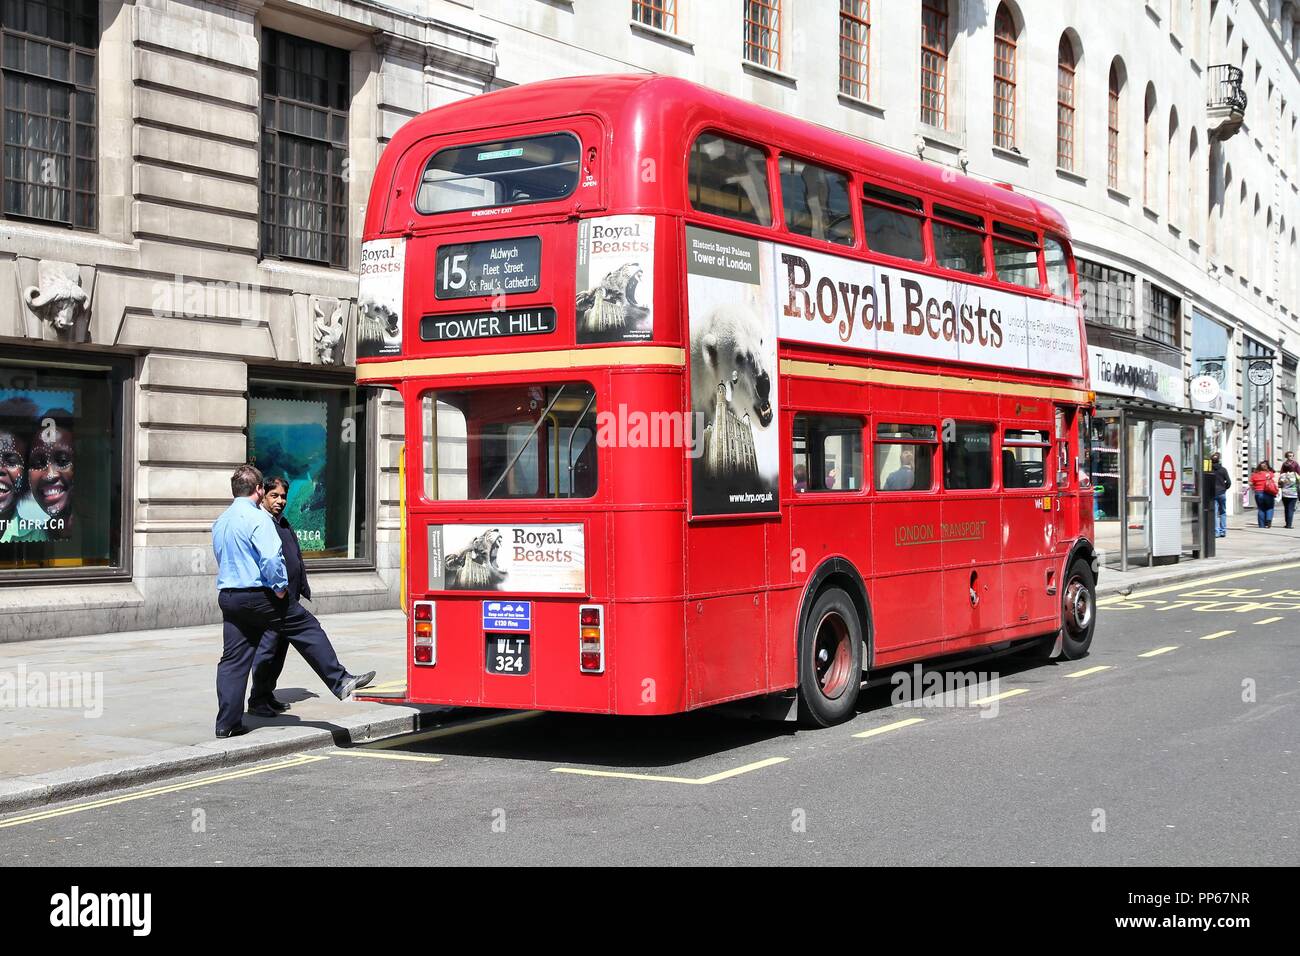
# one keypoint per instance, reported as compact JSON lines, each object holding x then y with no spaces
{"x":904,"y":457}
{"x":968,"y":456}
{"x":1024,"y":458}
{"x":827,"y":453}
{"x":510,"y":442}
{"x":509,"y":172}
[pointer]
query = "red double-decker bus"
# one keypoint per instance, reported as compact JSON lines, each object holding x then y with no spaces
{"x":703,"y":402}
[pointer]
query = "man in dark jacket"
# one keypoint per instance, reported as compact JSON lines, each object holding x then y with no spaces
{"x":1222,"y":482}
{"x":314,"y":646}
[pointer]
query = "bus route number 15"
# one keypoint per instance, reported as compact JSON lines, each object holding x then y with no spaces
{"x":454,"y":274}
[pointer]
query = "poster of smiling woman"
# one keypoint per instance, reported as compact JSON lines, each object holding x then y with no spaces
{"x":37,"y":465}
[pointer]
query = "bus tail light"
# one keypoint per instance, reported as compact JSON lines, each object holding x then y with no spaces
{"x":591,"y":639}
{"x":425,"y":645}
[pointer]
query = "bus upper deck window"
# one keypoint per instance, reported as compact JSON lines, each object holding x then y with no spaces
{"x":509,"y":172}
{"x":959,"y":240}
{"x":816,"y":202}
{"x":1015,"y":255}
{"x":1058,"y":269}
{"x":894,"y":223}
{"x":729,"y":179}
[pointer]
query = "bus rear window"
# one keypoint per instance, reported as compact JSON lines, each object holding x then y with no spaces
{"x":508,"y":172}
{"x":520,"y":441}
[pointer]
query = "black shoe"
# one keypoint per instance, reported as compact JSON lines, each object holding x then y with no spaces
{"x":236,"y":731}
{"x":353,"y":683}
{"x":268,"y":710}
{"x":278,"y":706}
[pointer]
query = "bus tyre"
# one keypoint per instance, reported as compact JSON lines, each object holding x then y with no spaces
{"x":1079,"y":611}
{"x":830,"y":660}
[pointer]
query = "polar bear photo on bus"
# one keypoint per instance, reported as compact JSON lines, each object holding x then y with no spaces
{"x":733,"y":368}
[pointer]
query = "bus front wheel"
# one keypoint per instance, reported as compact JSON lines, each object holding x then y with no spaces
{"x":830,"y":660}
{"x":1079,"y":611}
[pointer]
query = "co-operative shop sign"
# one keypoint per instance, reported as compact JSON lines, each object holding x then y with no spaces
{"x":1135,"y":376}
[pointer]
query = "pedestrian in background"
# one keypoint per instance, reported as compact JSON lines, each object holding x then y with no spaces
{"x":1222,"y":482}
{"x":1264,"y":483}
{"x":1288,"y":485}
{"x":310,"y":640}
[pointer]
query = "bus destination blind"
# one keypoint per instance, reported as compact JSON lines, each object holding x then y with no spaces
{"x":486,"y":325}
{"x":502,"y":266}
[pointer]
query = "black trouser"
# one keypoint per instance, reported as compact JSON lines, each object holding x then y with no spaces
{"x":248,"y":616}
{"x":312,"y":644}
{"x":1288,"y":505}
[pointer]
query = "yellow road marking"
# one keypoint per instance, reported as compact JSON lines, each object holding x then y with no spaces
{"x":1196,"y":583}
{"x":1090,"y":670}
{"x":693,"y":781}
{"x":384,"y":755}
{"x":897,"y":725}
{"x":403,"y":740}
{"x":1268,"y":620}
{"x":1216,"y":635}
{"x":1160,"y":650}
{"x":1002,"y":696}
{"x":40,"y":815}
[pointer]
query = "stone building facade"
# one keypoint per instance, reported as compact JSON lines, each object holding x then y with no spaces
{"x":184,"y":182}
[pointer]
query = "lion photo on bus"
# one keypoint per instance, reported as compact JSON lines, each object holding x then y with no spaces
{"x":610,"y":311}
{"x":474,"y":567}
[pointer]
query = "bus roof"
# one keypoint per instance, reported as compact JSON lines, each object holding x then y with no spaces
{"x":656,"y":102}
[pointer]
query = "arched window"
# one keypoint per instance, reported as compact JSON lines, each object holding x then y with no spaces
{"x":1194,"y":210}
{"x":1112,"y":123}
{"x":1148,"y":147}
{"x":1174,"y":194}
{"x":1004,"y":78}
{"x":934,"y":63}
{"x":1065,"y":103}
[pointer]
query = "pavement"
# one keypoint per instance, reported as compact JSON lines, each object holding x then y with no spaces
{"x":84,"y":715}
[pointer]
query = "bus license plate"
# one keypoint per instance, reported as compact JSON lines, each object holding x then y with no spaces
{"x":507,"y":654}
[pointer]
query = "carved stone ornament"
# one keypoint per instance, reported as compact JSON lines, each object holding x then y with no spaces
{"x":329,"y":328}
{"x":57,"y":298}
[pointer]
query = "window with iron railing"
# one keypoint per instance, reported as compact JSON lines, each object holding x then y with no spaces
{"x":763,"y":33}
{"x":1106,"y":295}
{"x":1163,"y":315}
{"x":47,"y":85}
{"x":855,"y":48}
{"x":305,"y":99}
{"x":934,"y":63}
{"x":660,"y":14}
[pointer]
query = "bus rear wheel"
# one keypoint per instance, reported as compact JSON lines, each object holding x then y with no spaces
{"x":1078,"y":611}
{"x":830,"y":660}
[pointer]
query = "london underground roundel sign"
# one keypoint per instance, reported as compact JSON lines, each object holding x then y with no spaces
{"x":1168,"y":475}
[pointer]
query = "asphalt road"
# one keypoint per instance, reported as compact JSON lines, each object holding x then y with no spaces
{"x":1135,"y":755}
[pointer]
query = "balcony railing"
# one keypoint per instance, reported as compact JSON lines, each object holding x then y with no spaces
{"x":1225,"y":88}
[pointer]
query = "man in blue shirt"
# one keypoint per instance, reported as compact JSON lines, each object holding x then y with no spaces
{"x":312,"y":644}
{"x":253,"y":595}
